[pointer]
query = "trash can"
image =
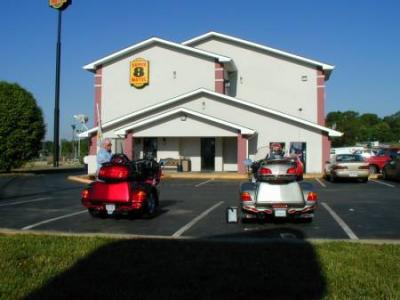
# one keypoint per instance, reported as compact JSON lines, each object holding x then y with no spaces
{"x":185,"y":165}
{"x":179,"y":167}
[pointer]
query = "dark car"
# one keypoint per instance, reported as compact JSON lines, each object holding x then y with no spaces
{"x":392,"y":169}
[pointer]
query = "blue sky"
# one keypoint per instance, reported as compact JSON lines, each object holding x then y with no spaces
{"x":360,"y":37}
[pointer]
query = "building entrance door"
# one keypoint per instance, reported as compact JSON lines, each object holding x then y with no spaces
{"x":207,"y":154}
{"x":300,"y":149}
{"x":150,"y":146}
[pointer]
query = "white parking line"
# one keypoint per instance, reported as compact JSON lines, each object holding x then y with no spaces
{"x":205,"y":182}
{"x":53,"y":219}
{"x":341,"y":223}
{"x":384,"y":183}
{"x":320,"y":182}
{"x":195,"y":220}
{"x":24,"y":201}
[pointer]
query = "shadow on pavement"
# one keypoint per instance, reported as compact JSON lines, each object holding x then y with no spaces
{"x":193,"y":269}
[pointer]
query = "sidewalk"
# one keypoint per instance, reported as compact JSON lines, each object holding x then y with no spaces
{"x":86,"y":179}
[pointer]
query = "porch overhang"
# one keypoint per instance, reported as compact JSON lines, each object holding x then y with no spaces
{"x":184,"y":113}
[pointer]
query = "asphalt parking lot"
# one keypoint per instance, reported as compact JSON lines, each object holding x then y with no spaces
{"x":197,"y":208}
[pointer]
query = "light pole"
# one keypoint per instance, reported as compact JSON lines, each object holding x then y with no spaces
{"x":82,"y":120}
{"x":59,"y":5}
{"x":73,"y":140}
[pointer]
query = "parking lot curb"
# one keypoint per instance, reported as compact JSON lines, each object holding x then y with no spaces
{"x":81,"y":179}
{"x":86,"y":179}
{"x":7,"y":231}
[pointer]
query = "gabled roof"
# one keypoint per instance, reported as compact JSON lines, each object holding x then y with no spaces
{"x":326,"y":67}
{"x":182,"y":110}
{"x":330,"y":132}
{"x":155,"y":40}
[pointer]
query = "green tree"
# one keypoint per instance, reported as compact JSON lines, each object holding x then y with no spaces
{"x":347,"y":122}
{"x":21,"y":126}
{"x":394,"y":123}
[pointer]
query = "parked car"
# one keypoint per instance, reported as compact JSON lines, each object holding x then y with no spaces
{"x":347,"y":166}
{"x":378,"y":161}
{"x":391,"y":151}
{"x":392,"y":169}
{"x":345,"y":150}
{"x":366,"y":153}
{"x":124,"y":187}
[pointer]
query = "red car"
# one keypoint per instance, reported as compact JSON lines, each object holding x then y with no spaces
{"x":123,"y":186}
{"x":377,"y":162}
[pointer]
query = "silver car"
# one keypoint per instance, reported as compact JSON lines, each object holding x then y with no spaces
{"x":347,"y":166}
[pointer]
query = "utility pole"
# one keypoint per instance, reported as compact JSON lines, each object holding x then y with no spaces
{"x":59,"y":5}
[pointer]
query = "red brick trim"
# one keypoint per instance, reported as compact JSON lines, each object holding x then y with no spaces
{"x":93,"y":145}
{"x":219,"y":78}
{"x":241,"y":153}
{"x":98,"y":81}
{"x":326,"y":144}
{"x":129,"y":145}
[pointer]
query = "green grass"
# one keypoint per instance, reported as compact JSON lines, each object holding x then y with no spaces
{"x":59,"y":267}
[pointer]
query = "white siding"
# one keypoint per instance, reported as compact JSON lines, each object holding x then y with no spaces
{"x":168,"y":148}
{"x":270,"y":80}
{"x":190,"y":148}
{"x":175,"y":127}
{"x":218,"y":161}
{"x":120,"y":98}
{"x":268,"y":127}
{"x":230,"y":154}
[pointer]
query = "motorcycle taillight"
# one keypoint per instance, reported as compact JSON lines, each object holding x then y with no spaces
{"x":138,"y":196}
{"x":113,"y":172}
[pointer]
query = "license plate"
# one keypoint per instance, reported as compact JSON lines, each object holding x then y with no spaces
{"x":110,"y":208}
{"x":353,"y":174}
{"x":280,"y":213}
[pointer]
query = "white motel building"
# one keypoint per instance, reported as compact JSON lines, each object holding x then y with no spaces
{"x":215,"y":100}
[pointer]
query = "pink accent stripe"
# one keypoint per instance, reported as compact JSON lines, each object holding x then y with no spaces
{"x":93,"y":145}
{"x":326,"y":144}
{"x":128,"y":145}
{"x":219,"y":78}
{"x":241,"y":153}
{"x":97,"y":93}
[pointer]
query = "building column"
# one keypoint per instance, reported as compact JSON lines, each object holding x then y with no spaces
{"x":218,"y":160}
{"x":97,"y":103}
{"x":129,"y":145}
{"x":241,"y":153}
{"x":219,"y":78}
{"x":326,"y":144}
{"x":93,"y":145}
{"x":98,"y":80}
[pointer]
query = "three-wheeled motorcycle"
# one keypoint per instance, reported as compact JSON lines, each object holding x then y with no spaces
{"x":274,"y":192}
{"x":123,"y":186}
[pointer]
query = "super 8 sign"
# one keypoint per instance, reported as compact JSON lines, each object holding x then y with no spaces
{"x":59,"y":4}
{"x":139,"y":72}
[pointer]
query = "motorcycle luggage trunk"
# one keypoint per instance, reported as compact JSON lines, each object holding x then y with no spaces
{"x":118,"y":192}
{"x":270,"y":193}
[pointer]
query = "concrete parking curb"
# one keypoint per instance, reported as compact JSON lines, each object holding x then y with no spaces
{"x":6,"y":231}
{"x":194,"y":175}
{"x":81,"y":179}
